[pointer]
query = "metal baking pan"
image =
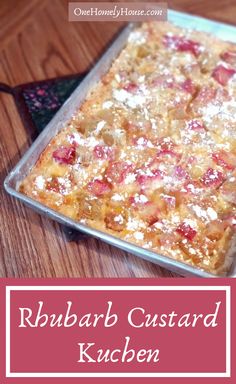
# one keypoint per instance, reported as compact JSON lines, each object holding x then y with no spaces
{"x":223,"y":31}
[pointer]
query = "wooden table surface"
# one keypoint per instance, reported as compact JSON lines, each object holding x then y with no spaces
{"x":37,"y":42}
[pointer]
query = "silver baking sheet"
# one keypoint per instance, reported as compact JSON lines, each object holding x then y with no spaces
{"x":223,"y":31}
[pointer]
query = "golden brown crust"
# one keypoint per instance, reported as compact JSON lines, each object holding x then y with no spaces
{"x":150,"y":156}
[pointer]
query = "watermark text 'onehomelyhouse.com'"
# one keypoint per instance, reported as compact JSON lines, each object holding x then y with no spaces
{"x":117,"y":11}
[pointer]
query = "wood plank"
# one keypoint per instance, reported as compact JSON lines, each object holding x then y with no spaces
{"x":38,"y":42}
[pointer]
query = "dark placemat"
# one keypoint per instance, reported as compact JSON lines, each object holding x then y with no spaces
{"x":37,"y":103}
